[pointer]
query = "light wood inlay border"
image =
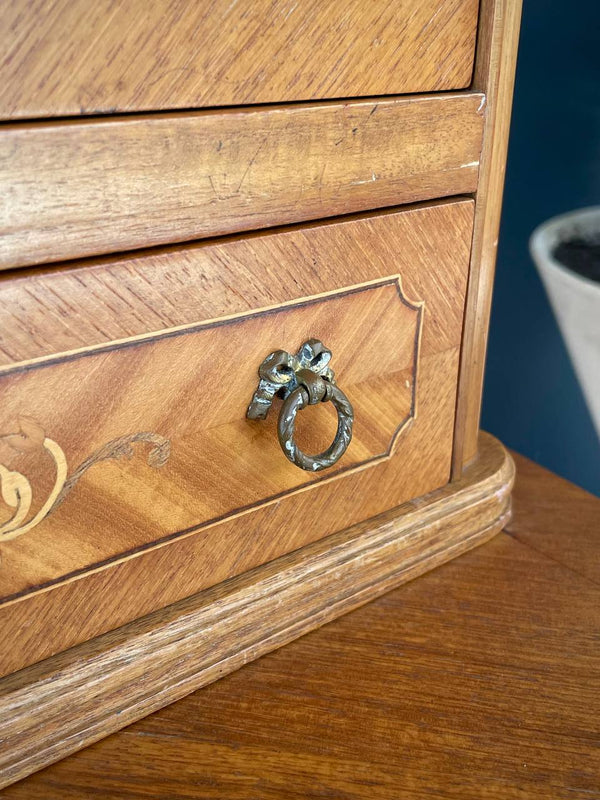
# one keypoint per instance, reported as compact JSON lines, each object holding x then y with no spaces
{"x":192,"y":327}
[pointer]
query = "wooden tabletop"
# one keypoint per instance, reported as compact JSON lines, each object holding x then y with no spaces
{"x":478,"y":680}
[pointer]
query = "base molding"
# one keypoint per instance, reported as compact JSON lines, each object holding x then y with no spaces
{"x":71,"y":700}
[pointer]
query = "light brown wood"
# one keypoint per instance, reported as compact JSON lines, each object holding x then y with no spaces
{"x":479,"y":679}
{"x":92,"y":187}
{"x":494,"y":75}
{"x":51,"y":710}
{"x":119,"y":505}
{"x":71,"y":57}
{"x":171,"y":405}
{"x":73,"y":189}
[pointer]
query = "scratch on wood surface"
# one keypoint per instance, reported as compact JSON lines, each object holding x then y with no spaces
{"x":374,"y":177}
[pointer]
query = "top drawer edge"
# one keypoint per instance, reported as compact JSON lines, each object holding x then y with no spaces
{"x":72,"y":57}
{"x":76,"y":189}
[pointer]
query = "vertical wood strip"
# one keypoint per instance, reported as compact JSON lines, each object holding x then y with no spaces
{"x":494,"y":75}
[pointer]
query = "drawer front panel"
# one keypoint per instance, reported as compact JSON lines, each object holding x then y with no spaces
{"x":77,"y":189}
{"x":170,"y":489}
{"x":149,"y":441}
{"x":71,"y":57}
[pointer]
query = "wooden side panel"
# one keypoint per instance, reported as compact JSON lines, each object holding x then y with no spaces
{"x":75,"y":57}
{"x":82,"y":188}
{"x":94,"y":304}
{"x":494,"y":74}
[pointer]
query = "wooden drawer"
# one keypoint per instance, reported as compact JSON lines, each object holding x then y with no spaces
{"x":74,"y":189}
{"x":125,"y":384}
{"x":71,"y":57}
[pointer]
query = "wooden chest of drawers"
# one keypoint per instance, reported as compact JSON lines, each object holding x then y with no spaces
{"x":188,"y":193}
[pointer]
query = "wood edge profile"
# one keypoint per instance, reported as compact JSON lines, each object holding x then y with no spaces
{"x":213,"y":180}
{"x":69,"y":701}
{"x":494,"y":75}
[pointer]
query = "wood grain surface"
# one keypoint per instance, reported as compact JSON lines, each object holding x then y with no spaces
{"x":150,"y":441}
{"x":73,"y":189}
{"x":71,"y":57}
{"x":494,"y":74}
{"x":479,"y":679}
{"x":45,"y":312}
{"x":67,"y":702}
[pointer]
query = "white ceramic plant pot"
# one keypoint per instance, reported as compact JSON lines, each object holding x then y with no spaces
{"x":575,"y":300}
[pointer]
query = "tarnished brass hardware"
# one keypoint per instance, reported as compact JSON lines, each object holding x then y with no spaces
{"x":302,"y":379}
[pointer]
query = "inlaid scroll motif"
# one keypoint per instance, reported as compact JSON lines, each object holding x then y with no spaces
{"x":16,"y":489}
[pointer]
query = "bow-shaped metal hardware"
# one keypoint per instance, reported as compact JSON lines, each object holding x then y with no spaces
{"x":302,"y":379}
{"x":280,"y":374}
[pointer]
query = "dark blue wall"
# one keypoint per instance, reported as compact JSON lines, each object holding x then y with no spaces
{"x":532,"y":400}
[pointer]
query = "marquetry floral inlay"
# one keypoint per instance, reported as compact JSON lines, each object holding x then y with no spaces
{"x":16,"y":489}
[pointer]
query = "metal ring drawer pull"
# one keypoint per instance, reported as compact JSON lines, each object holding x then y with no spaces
{"x":302,"y":379}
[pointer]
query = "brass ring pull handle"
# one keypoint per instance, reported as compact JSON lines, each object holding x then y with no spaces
{"x":303,"y":379}
{"x":296,"y":401}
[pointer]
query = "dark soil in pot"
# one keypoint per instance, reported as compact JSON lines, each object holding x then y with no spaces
{"x":581,"y":256}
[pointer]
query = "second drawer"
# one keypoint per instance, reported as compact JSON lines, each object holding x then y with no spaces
{"x":131,"y":470}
